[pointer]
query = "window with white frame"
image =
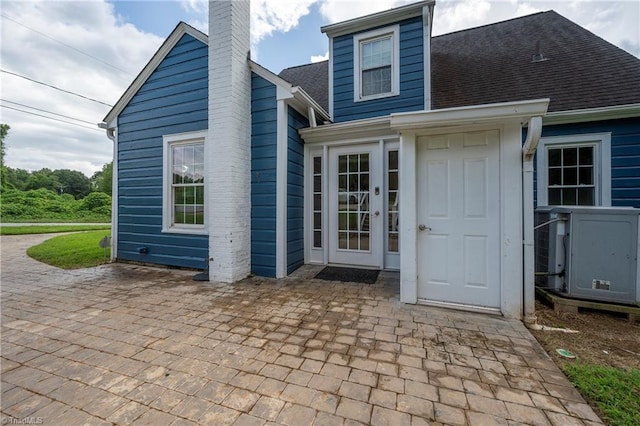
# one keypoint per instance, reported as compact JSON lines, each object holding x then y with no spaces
{"x":184,"y":189}
{"x":575,"y":170}
{"x":376,"y":63}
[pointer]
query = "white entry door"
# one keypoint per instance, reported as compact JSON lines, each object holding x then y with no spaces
{"x":459,"y":212}
{"x":355,"y":205}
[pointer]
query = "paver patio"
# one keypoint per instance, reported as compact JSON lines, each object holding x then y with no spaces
{"x":124,"y":344}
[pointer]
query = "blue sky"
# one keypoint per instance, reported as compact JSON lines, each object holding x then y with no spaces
{"x":97,"y":47}
{"x":275,"y":52}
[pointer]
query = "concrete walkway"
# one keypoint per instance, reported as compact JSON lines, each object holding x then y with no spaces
{"x":122,"y":344}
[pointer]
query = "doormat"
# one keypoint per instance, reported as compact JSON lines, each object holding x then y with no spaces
{"x":354,"y":275}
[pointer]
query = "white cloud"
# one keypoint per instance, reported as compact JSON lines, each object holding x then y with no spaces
{"x":34,"y":142}
{"x":271,"y":16}
{"x":453,"y":16}
{"x":340,"y":10}
{"x":320,"y":58}
{"x":195,"y":6}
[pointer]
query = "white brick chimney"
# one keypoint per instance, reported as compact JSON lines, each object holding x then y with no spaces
{"x":228,"y":146}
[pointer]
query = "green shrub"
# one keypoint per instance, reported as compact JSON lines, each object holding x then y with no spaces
{"x":96,"y":200}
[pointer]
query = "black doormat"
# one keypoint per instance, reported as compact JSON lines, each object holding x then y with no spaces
{"x":354,"y":275}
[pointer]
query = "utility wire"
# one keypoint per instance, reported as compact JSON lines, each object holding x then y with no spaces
{"x":65,"y":44}
{"x":54,"y":87}
{"x":51,"y":118}
{"x":48,"y":112}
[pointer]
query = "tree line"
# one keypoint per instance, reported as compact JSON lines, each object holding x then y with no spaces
{"x":62,"y":181}
{"x":56,"y":195}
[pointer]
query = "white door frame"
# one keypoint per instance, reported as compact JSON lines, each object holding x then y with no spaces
{"x":510,"y":212}
{"x":459,"y":248}
{"x":315,"y":254}
{"x":370,"y":257}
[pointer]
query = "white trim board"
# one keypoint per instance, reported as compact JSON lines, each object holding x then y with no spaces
{"x":167,"y":141}
{"x":373,"y":20}
{"x":602,"y":141}
{"x":393,"y":32}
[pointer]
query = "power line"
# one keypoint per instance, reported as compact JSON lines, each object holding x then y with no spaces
{"x":50,"y":118}
{"x":54,"y":87}
{"x":66,"y":45}
{"x":48,"y":112}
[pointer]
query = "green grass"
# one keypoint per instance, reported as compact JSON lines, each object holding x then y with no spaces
{"x":72,"y":251}
{"x":49,"y":229}
{"x":615,"y":391}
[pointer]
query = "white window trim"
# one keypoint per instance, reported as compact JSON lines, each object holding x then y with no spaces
{"x":394,"y":31}
{"x":167,"y":142}
{"x":602,"y":166}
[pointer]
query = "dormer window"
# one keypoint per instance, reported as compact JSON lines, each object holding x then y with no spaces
{"x":376,"y":63}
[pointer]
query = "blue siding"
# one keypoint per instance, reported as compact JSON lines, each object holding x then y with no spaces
{"x":625,"y":154}
{"x":411,"y":97}
{"x":263,"y":176}
{"x":295,"y":190}
{"x":172,"y":100}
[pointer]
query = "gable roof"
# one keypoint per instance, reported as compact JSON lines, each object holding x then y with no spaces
{"x":166,"y":47}
{"x":495,"y":63}
{"x":313,"y":78}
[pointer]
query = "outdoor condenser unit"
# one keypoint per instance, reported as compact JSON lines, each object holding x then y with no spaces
{"x":589,"y":252}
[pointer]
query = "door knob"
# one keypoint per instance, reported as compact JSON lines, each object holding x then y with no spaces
{"x":422,"y":227}
{"x":377,"y":213}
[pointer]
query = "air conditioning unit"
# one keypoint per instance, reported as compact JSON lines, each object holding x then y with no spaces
{"x":589,"y":252}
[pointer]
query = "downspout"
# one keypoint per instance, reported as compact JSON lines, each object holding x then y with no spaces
{"x":528,"y":151}
{"x":111,"y":134}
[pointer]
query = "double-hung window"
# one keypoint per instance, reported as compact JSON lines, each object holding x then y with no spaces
{"x":184,"y":188}
{"x":575,"y":170}
{"x":376,"y":63}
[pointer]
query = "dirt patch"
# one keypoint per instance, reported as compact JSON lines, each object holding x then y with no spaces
{"x":602,"y":338}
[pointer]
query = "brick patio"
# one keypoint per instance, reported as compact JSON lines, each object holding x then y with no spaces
{"x":123,"y":344}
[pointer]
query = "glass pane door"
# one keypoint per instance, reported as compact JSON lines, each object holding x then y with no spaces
{"x":353,"y":202}
{"x":356,"y":222}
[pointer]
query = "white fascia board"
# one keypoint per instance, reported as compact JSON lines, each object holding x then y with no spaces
{"x":308,"y":101}
{"x":349,"y":130}
{"x":299,"y":99}
{"x":376,"y":19}
{"x":521,"y":111}
{"x":175,"y":36}
{"x":269,"y":76}
{"x":592,"y":114}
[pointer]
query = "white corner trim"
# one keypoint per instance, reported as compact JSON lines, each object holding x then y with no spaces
{"x":427,"y":20}
{"x":330,"y":77}
{"x":602,"y":142}
{"x":114,"y":197}
{"x":376,"y":19}
{"x":281,"y":189}
{"x":167,"y":141}
{"x":166,"y":47}
{"x":408,"y":218}
{"x":358,"y":39}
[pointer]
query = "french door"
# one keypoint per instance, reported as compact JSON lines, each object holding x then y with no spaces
{"x":356,"y":216}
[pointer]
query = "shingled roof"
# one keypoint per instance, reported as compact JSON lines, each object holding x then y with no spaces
{"x":313,"y":78}
{"x":531,"y":57}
